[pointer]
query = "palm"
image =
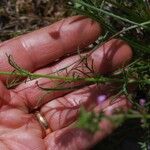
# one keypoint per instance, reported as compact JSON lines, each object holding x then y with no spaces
{"x":19,"y":128}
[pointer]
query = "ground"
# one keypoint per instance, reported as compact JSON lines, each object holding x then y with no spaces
{"x":21,"y":16}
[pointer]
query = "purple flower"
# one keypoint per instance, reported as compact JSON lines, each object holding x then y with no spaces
{"x":142,"y":102}
{"x":101,"y":98}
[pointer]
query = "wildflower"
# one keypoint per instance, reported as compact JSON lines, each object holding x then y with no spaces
{"x":142,"y":102}
{"x":101,"y":98}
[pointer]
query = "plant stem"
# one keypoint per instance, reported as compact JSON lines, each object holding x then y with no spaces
{"x":100,"y":79}
{"x":131,"y":27}
{"x":111,"y":14}
{"x":129,"y":116}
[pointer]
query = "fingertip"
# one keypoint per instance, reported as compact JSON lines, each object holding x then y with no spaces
{"x":111,"y":55}
{"x":96,"y":27}
{"x":84,"y":31}
{"x":122,"y":54}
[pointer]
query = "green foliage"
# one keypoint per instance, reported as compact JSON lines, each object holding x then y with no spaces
{"x":88,"y":120}
{"x":130,"y":21}
{"x":118,"y":17}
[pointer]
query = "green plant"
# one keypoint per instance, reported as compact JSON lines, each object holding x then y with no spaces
{"x":129,"y":21}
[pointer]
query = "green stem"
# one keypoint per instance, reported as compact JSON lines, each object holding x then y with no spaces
{"x":110,"y":14}
{"x":54,"y":77}
{"x":131,"y":116}
{"x":131,"y":27}
{"x":100,"y":79}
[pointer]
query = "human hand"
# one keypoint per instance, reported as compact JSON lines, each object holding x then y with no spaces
{"x":37,"y":52}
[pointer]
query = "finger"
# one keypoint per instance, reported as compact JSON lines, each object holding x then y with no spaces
{"x":63,"y":111}
{"x":105,"y":59}
{"x":74,"y":138}
{"x":39,"y":48}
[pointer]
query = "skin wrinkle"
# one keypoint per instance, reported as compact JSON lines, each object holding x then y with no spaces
{"x":19,"y":101}
{"x":65,"y":115}
{"x":60,"y":110}
{"x":73,"y":107}
{"x":51,"y":115}
{"x":69,"y":119}
{"x":25,"y":96}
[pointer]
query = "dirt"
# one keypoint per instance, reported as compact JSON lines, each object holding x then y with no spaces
{"x":21,"y":16}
